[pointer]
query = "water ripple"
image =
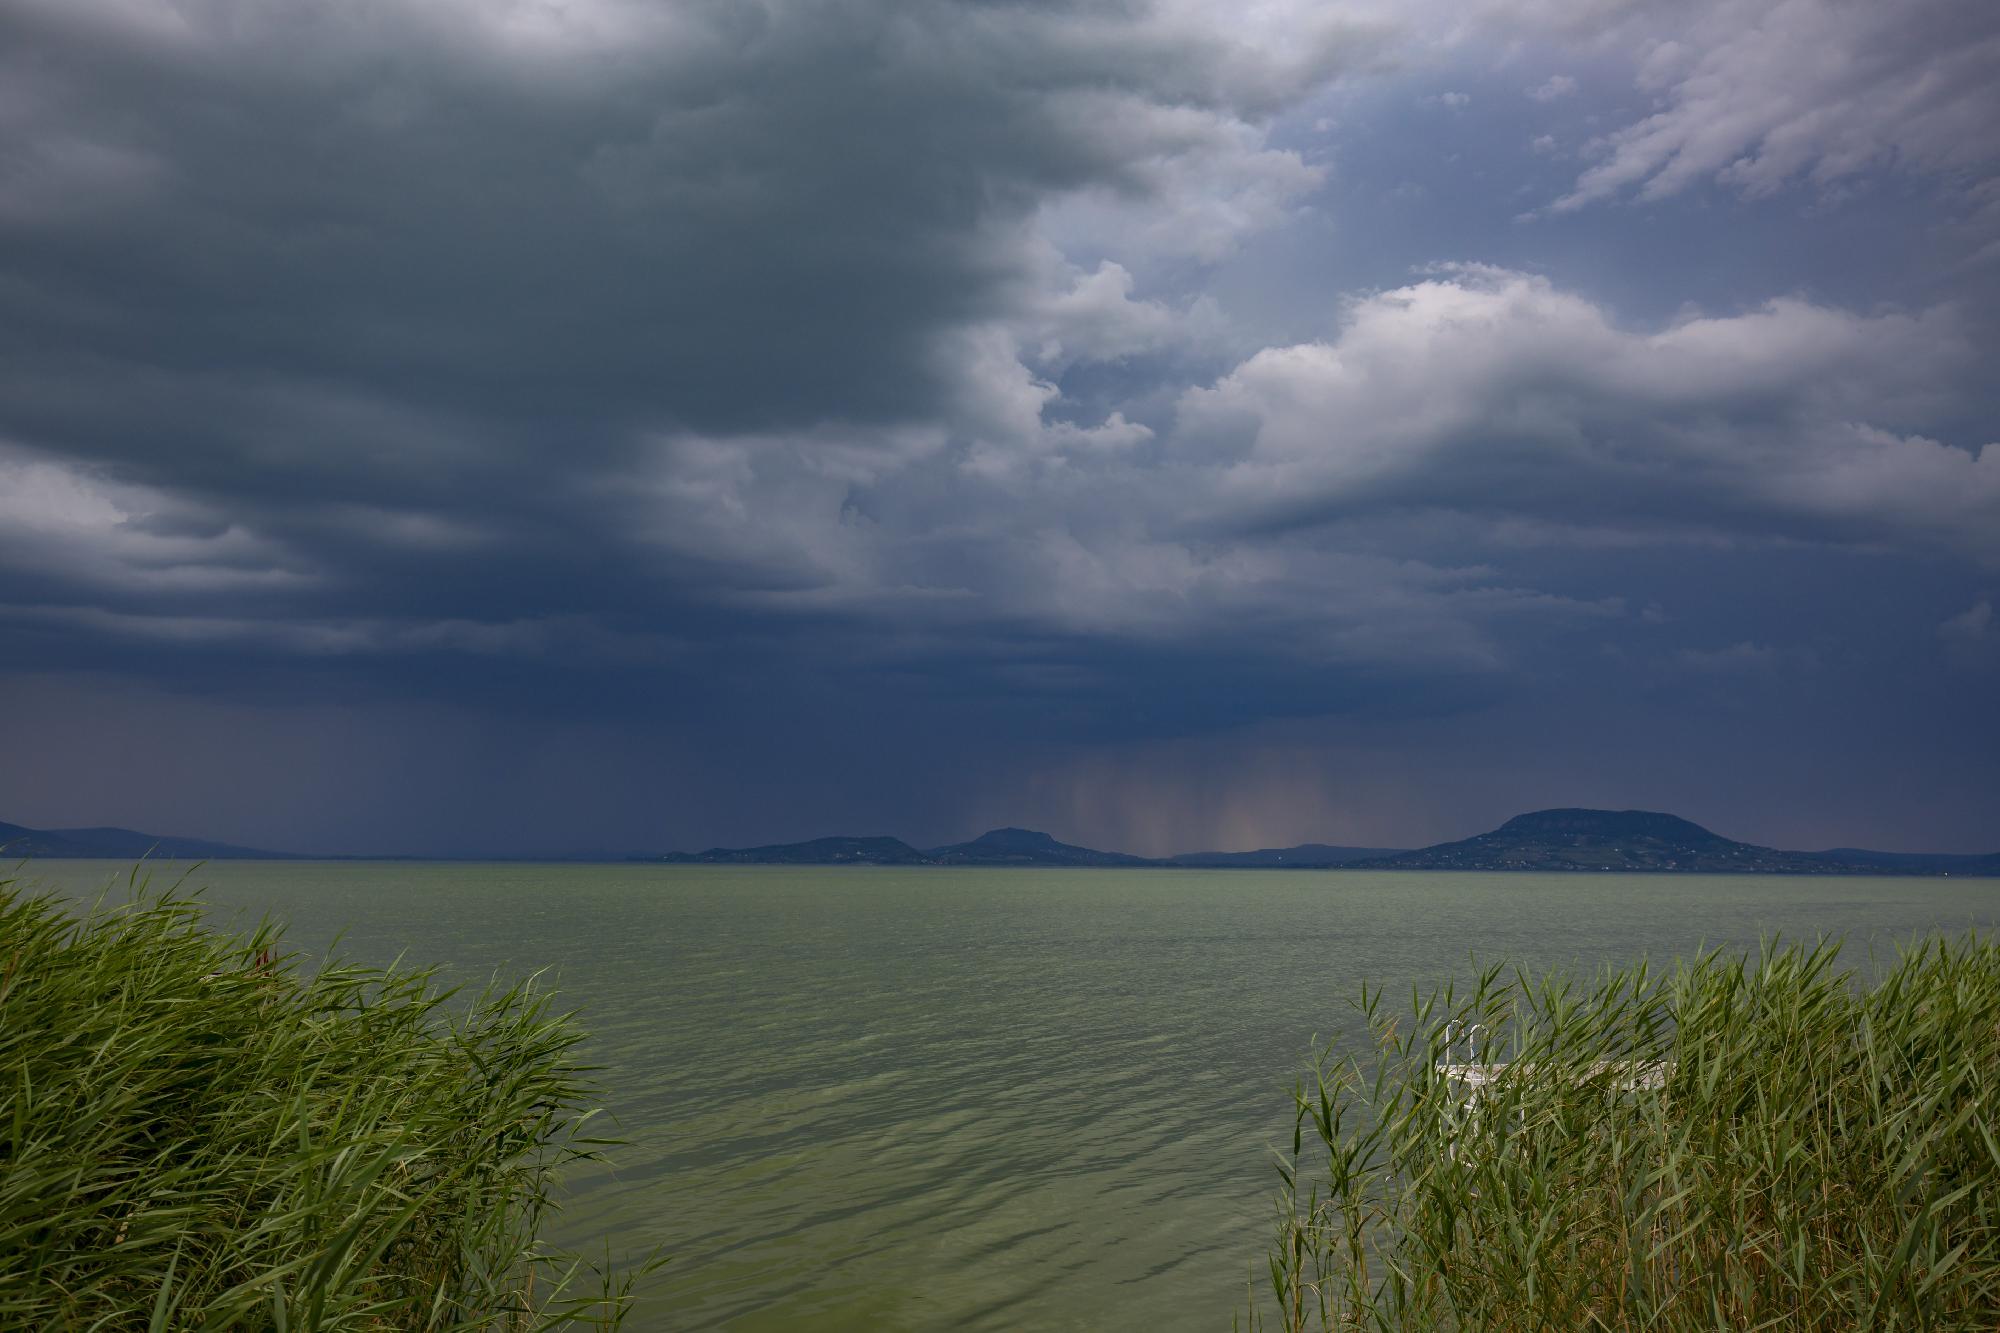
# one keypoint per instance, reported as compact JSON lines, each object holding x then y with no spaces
{"x":961,"y":1099}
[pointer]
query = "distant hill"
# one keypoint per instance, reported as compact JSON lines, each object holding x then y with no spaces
{"x":1916,"y":863}
{"x":1546,"y":840}
{"x":120,"y":844}
{"x":1305,"y":856}
{"x":1001,"y":847}
{"x":1026,"y":847}
{"x":818,"y":852}
{"x":1644,"y":840}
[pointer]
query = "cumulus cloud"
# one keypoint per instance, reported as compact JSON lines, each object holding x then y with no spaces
{"x":1553,"y":88}
{"x":1095,"y":318}
{"x":1220,"y":186}
{"x":1498,"y":393}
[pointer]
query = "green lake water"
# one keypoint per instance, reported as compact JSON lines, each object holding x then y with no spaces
{"x":944,"y":1099}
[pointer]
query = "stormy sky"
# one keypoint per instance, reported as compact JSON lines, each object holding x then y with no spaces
{"x":547,"y":426}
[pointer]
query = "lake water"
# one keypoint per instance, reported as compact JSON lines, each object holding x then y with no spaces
{"x":930,"y":1099}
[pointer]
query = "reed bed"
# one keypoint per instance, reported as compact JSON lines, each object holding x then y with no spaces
{"x":194,"y":1133}
{"x":1738,"y":1142}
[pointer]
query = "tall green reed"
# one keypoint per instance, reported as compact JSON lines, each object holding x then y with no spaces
{"x":195,"y":1133}
{"x":1740,"y":1143}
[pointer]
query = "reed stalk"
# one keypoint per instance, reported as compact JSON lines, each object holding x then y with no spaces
{"x":195,"y":1133}
{"x":1737,"y":1142}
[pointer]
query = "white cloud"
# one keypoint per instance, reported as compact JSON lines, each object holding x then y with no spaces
{"x":1555,"y":87}
{"x":1498,"y":393}
{"x":83,"y":527}
{"x":1196,"y":185}
{"x":1754,"y":95}
{"x":1096,"y":319}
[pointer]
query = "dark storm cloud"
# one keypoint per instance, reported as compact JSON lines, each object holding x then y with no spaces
{"x":356,"y":290}
{"x":709,"y":215}
{"x":798,"y":392}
